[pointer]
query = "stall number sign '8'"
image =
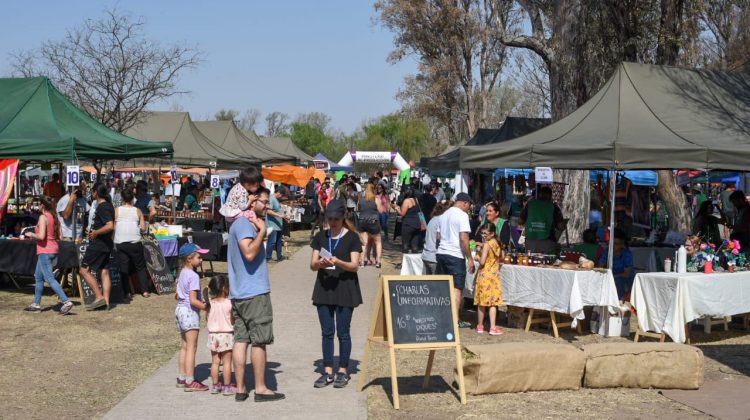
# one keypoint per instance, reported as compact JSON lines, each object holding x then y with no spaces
{"x":215,"y":181}
{"x":74,"y":176}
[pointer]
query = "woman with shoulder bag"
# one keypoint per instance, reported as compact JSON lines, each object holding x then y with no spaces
{"x":129,"y":223}
{"x":369,"y":225}
{"x":411,"y":226}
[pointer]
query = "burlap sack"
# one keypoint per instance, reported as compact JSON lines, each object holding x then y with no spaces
{"x":519,"y":367}
{"x":643,"y":365}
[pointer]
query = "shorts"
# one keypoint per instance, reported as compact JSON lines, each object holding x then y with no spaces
{"x":369,"y":226}
{"x":253,"y":320}
{"x":428,"y":267}
{"x":95,"y":260}
{"x":220,"y":342}
{"x":447,"y":264}
{"x":186,"y":319}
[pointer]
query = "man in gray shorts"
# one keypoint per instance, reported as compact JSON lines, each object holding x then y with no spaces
{"x":249,"y":291}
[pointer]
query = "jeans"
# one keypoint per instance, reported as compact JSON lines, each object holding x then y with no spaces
{"x":340,"y":326}
{"x":383,"y":218}
{"x":274,"y":242}
{"x":44,"y":273}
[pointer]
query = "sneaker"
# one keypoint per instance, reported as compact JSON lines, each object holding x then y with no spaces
{"x":464,"y":324}
{"x":66,"y":307}
{"x":195,"y":386}
{"x":180,"y":383}
{"x":342,"y":379}
{"x":480,"y":329}
{"x":496,"y":331}
{"x":101,"y":303}
{"x":323,"y":381}
{"x":33,"y":308}
{"x":227,"y":390}
{"x":216,"y":388}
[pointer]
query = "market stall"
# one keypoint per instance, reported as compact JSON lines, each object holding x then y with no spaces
{"x":667,"y":302}
{"x":412,"y":265}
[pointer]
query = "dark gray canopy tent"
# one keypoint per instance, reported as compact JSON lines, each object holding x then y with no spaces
{"x":645,"y":117}
{"x":229,"y":137}
{"x":512,"y":127}
{"x":191,"y":146}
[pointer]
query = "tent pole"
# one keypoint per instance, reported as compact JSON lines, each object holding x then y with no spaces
{"x":174,"y":199}
{"x":612,"y":192}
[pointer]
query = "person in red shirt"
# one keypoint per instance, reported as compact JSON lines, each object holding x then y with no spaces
{"x":325,"y":195}
{"x":54,"y":188}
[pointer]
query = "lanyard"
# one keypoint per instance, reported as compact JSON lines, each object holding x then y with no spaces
{"x":333,"y":247}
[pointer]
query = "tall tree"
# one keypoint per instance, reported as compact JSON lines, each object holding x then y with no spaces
{"x":249,"y":120}
{"x":226,"y":115}
{"x":454,"y":38}
{"x":110,"y":68}
{"x":276,"y":124}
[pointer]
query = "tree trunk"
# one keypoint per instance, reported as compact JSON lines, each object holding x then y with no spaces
{"x":676,"y":203}
{"x":575,"y":205}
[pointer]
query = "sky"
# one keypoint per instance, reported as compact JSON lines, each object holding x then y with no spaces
{"x":292,"y":56}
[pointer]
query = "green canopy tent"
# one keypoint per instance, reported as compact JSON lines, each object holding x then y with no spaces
{"x":644,"y":117}
{"x":39,"y":123}
{"x":226,"y":135}
{"x":512,"y":127}
{"x":191,"y":146}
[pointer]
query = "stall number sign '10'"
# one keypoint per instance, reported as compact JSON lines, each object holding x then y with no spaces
{"x":73,"y":176}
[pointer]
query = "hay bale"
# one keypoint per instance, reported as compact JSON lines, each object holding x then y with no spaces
{"x":643,"y":365}
{"x":520,"y":367}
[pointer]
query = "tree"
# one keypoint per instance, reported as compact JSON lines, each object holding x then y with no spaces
{"x":313,"y":140}
{"x":276,"y":124}
{"x":315,"y":119}
{"x":456,"y":41}
{"x":226,"y":115}
{"x":249,"y":120}
{"x":110,"y":68}
{"x":396,"y":133}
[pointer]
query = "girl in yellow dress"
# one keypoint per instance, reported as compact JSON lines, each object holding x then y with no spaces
{"x":487,"y":290}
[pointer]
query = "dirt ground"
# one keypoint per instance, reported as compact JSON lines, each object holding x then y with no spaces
{"x":81,"y":365}
{"x":727,"y":357}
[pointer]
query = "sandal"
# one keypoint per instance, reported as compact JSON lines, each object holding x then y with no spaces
{"x":377,"y":264}
{"x":146,"y":294}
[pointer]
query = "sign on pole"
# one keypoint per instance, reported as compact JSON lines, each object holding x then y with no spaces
{"x":215,"y":182}
{"x":543,"y":175}
{"x":93,"y":177}
{"x":73,"y":178}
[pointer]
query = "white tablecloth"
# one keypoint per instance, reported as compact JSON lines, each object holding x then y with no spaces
{"x":665,"y":302}
{"x":412,"y":264}
{"x":551,"y":289}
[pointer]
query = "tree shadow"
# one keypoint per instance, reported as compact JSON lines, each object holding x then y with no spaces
{"x":734,"y":356}
{"x":412,"y":385}
{"x":203,"y":373}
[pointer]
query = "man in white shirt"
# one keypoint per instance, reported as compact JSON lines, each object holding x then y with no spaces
{"x":72,"y":207}
{"x":453,"y":251}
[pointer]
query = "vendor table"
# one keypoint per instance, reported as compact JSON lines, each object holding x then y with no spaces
{"x":666,"y":302}
{"x":557,"y":290}
{"x":19,"y":257}
{"x":412,"y":265}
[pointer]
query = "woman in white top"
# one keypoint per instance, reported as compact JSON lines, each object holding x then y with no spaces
{"x":129,"y":224}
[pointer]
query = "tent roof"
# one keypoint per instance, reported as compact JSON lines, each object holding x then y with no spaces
{"x":286,"y":146}
{"x":229,"y":137}
{"x":191,"y":146}
{"x":333,"y":166}
{"x":644,"y":117}
{"x":512,"y":127}
{"x":37,"y":122}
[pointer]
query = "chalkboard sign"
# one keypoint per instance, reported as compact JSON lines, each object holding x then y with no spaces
{"x":158,"y":269}
{"x":116,"y":293}
{"x":421,"y":311}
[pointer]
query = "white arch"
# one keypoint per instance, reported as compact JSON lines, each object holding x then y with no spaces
{"x":375,"y":157}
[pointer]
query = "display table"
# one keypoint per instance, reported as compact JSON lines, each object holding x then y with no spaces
{"x":18,"y":257}
{"x":666,"y":302}
{"x":557,"y":290}
{"x":412,"y":265}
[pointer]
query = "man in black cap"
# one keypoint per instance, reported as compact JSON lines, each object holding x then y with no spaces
{"x":453,"y":251}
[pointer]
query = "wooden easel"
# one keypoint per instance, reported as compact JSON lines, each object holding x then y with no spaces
{"x":381,"y":332}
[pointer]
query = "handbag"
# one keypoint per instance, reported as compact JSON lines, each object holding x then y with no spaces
{"x":422,"y":220}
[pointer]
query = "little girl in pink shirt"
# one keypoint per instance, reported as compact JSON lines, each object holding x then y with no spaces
{"x":220,"y":325}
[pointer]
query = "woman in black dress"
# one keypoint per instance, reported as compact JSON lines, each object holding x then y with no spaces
{"x":335,"y":257}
